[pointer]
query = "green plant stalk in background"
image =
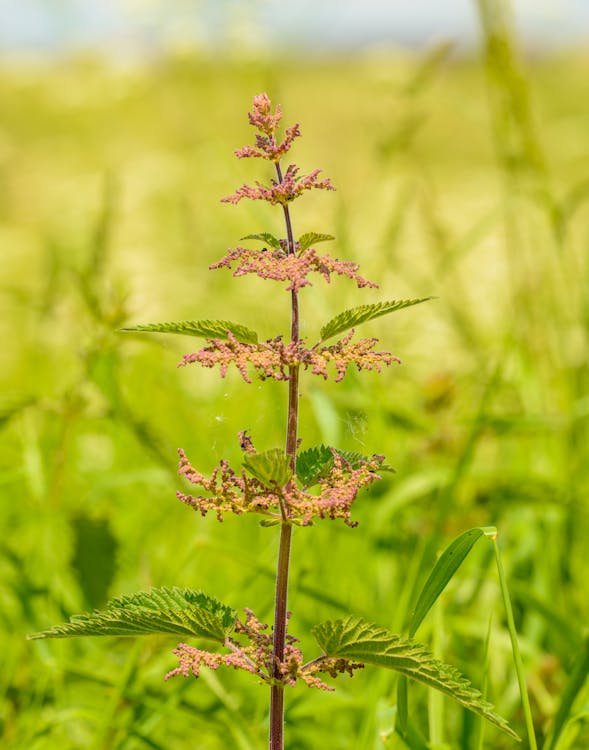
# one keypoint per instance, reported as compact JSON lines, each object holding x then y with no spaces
{"x":519,"y":667}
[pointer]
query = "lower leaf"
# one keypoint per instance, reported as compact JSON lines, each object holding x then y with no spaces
{"x":355,"y":638}
{"x":163,"y":610}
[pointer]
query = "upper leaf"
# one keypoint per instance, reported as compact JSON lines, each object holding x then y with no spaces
{"x":356,"y":315}
{"x":354,"y":638}
{"x":163,"y":610}
{"x":266,"y":237}
{"x":270,"y":467}
{"x":315,"y":463}
{"x":312,"y":238}
{"x":208,"y":329}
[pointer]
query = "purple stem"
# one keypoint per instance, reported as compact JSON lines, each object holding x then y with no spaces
{"x":280,"y":610}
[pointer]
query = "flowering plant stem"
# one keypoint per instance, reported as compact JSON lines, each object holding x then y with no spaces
{"x":281,"y":597}
{"x":286,"y":487}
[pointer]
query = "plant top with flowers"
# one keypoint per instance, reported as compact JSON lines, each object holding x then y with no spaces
{"x":287,"y":486}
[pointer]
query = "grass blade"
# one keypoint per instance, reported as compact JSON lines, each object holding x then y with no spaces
{"x":572,"y":689}
{"x":445,"y":568}
{"x":519,"y":667}
{"x":449,"y":562}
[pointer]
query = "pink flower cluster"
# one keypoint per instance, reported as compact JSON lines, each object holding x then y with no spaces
{"x":278,"y":265}
{"x":343,"y":353}
{"x":281,"y":191}
{"x":256,"y":657}
{"x":273,"y":358}
{"x":261,"y":116}
{"x":288,"y":186}
{"x":266,"y":147}
{"x":338,"y":489}
{"x":232,"y":492}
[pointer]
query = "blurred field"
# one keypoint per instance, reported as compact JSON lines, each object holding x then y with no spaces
{"x":456,"y":179}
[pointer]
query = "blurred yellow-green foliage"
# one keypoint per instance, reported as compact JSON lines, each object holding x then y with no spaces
{"x":460,"y":178}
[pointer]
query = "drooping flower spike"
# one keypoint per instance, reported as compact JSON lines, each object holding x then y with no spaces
{"x":230,"y":491}
{"x":273,"y":358}
{"x":278,"y":265}
{"x":281,"y":191}
{"x":256,"y":656}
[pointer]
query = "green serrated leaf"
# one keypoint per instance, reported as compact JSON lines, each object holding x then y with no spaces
{"x":270,"y":467}
{"x":208,"y":329}
{"x":357,"y":459}
{"x":162,"y":610}
{"x":356,"y":315}
{"x":312,"y":238}
{"x":314,"y":463}
{"x":448,"y":563}
{"x":266,"y":237}
{"x":359,"y":640}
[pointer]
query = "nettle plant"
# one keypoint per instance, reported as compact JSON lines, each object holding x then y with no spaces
{"x":288,"y":487}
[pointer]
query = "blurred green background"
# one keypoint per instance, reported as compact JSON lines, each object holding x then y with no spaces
{"x":463,"y":176}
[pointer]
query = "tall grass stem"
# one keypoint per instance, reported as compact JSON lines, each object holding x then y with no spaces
{"x":519,"y":667}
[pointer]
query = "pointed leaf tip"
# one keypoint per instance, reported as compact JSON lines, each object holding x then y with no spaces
{"x":355,"y":638}
{"x":162,"y":610}
{"x":356,"y":315}
{"x":265,"y":237}
{"x":312,"y":238}
{"x":448,"y":563}
{"x":209,"y":329}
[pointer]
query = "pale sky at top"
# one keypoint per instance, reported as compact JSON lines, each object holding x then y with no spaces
{"x":147,"y":25}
